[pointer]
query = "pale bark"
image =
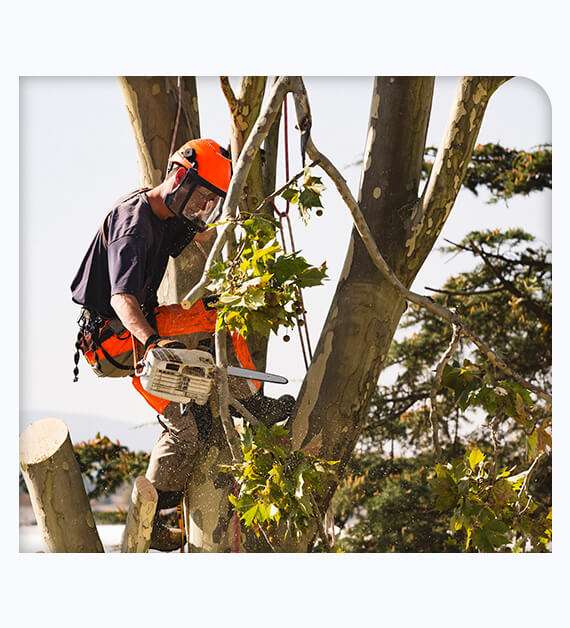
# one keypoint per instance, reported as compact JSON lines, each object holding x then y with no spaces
{"x":56,"y":489}
{"x":223,"y":391}
{"x":244,"y":111}
{"x":206,"y":497}
{"x":142,"y":508}
{"x":426,"y":219}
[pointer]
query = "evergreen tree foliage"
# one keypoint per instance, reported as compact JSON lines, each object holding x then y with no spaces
{"x":394,"y":498}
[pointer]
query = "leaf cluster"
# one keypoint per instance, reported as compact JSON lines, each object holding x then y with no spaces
{"x":277,"y":486}
{"x":259,"y":289}
{"x":386,"y":503}
{"x":475,"y":385}
{"x":493,"y":509}
{"x":306,"y":195}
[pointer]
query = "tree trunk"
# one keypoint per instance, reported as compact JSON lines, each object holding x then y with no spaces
{"x":366,"y":308}
{"x":138,"y":528}
{"x":206,"y":497}
{"x":54,"y":482}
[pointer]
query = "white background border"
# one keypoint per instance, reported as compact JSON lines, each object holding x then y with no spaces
{"x":334,"y":39}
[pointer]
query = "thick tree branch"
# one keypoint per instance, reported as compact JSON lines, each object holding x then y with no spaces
{"x":224,"y":396}
{"x":228,"y":93}
{"x":379,"y":261}
{"x":428,"y":216}
{"x":269,"y":156}
{"x":152,"y":104}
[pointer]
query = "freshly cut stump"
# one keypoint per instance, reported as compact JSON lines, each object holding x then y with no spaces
{"x":138,"y":528}
{"x":58,"y":497}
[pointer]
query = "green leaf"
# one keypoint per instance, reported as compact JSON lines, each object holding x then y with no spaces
{"x":502,"y":492}
{"x":229,"y":298}
{"x":496,"y":533}
{"x":249,"y":515}
{"x":476,"y":456}
{"x":312,"y":276}
{"x":291,"y":195}
{"x":309,"y":198}
{"x":481,"y":542}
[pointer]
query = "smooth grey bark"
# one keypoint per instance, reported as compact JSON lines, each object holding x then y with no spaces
{"x":366,"y":309}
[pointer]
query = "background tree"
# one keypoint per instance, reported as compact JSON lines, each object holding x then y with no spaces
{"x":386,"y":502}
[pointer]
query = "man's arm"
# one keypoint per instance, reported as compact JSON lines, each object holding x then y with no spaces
{"x":129,"y":312}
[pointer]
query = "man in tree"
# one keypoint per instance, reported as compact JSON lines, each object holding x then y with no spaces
{"x":117,"y":285}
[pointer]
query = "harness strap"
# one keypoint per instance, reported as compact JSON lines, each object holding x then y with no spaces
{"x":114,"y":362}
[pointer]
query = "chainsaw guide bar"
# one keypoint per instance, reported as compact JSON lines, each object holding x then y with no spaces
{"x":186,"y":375}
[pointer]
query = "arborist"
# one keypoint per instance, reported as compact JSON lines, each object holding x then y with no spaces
{"x":117,"y":285}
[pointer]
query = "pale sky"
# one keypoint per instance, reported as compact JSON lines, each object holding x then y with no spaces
{"x":78,"y":156}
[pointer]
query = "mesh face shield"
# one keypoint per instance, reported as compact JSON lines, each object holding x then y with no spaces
{"x":193,"y":195}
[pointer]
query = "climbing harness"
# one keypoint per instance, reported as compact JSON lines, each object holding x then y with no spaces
{"x":94,"y":330}
{"x":283,"y":216}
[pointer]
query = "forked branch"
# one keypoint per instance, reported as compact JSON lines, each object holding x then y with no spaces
{"x":303,"y":117}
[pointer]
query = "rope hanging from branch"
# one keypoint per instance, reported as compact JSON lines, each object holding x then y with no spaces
{"x":284,"y":217}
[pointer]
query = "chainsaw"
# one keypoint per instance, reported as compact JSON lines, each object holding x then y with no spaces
{"x":187,"y":375}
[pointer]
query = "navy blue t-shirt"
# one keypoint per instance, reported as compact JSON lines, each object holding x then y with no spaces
{"x":129,"y":254}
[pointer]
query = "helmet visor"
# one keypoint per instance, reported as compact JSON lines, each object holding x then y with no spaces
{"x":200,"y":201}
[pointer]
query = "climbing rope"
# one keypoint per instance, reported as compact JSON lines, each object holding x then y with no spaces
{"x":283,"y":216}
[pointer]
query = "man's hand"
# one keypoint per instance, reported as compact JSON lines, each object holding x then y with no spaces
{"x":156,"y":342}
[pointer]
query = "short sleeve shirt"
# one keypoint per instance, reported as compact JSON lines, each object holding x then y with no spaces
{"x":129,"y":254}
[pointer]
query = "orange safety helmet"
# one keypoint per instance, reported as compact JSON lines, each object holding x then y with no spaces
{"x":208,"y":169}
{"x":209,"y":161}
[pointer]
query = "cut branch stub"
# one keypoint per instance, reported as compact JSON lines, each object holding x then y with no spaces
{"x":57,"y":493}
{"x":138,"y":528}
